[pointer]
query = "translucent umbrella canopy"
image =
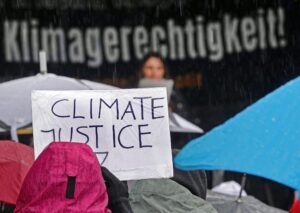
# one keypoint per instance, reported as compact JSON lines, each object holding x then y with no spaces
{"x":179,"y":124}
{"x":15,"y":104}
{"x":229,"y":204}
{"x":15,"y":95}
{"x":15,"y":161}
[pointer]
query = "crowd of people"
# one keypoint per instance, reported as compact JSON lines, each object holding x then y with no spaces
{"x":67,"y":177}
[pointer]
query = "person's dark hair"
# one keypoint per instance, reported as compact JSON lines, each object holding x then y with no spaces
{"x":150,"y":55}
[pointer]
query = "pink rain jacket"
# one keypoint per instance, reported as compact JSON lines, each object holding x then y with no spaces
{"x":66,"y":177}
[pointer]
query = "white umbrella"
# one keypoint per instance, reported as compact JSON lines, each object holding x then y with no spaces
{"x":15,"y":96}
{"x":15,"y":100}
{"x":179,"y":124}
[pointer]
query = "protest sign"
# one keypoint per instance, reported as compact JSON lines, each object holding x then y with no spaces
{"x":128,"y":130}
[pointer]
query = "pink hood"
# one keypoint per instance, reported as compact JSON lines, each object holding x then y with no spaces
{"x":66,"y":177}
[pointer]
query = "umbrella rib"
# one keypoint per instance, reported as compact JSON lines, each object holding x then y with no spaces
{"x":4,"y":126}
{"x":81,"y":82}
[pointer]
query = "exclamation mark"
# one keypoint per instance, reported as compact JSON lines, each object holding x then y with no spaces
{"x":281,"y":27}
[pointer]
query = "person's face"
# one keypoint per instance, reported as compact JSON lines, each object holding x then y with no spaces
{"x":154,"y":69}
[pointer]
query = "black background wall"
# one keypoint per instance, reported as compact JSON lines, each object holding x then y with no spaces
{"x":223,"y":55}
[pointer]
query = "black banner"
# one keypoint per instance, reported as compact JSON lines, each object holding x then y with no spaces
{"x":219,"y":51}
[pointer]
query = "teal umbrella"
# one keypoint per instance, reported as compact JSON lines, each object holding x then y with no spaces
{"x":262,"y":140}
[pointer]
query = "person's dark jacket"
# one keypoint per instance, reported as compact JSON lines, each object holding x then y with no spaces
{"x":179,"y":105}
{"x":195,"y":181}
{"x":118,"y":197}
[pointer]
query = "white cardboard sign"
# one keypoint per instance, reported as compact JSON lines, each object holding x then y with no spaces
{"x":128,"y":129}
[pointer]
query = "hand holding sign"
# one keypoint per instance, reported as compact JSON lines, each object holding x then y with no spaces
{"x":127,"y":129}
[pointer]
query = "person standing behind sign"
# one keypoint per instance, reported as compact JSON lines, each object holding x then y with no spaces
{"x":153,"y":67}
